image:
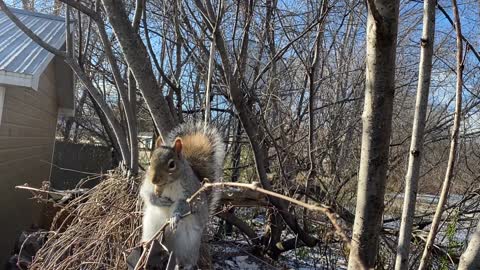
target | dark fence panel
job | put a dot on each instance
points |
(73, 162)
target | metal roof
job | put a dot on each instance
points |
(22, 60)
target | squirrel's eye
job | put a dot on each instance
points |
(171, 164)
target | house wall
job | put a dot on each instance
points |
(27, 134)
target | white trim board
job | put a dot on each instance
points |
(2, 101)
(17, 79)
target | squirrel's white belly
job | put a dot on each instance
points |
(154, 216)
(153, 219)
(185, 240)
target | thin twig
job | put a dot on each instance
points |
(32, 189)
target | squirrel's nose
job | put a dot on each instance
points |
(156, 180)
(154, 177)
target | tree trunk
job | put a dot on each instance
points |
(132, 97)
(453, 145)
(382, 26)
(132, 124)
(416, 146)
(235, 160)
(470, 259)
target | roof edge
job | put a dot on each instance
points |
(17, 79)
(36, 14)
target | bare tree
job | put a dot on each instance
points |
(416, 147)
(382, 25)
(453, 144)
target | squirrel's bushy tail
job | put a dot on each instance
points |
(204, 149)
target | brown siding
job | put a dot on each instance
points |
(27, 132)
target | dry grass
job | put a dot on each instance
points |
(96, 229)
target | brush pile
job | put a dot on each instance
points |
(95, 230)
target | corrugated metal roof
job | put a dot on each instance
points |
(18, 53)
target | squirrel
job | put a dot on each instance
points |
(178, 165)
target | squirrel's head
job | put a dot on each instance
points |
(166, 162)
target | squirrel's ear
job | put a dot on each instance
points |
(177, 145)
(158, 142)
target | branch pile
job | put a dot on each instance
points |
(96, 229)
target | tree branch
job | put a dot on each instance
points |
(463, 37)
(374, 11)
(327, 211)
(86, 10)
(139, 63)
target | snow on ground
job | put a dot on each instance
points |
(230, 256)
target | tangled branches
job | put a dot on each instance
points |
(94, 230)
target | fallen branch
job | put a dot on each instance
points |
(327, 211)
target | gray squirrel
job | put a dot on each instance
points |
(178, 165)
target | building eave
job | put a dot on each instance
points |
(18, 79)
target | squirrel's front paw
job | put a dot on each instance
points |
(173, 221)
(160, 201)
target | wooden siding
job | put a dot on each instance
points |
(27, 134)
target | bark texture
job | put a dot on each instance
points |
(470, 259)
(382, 27)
